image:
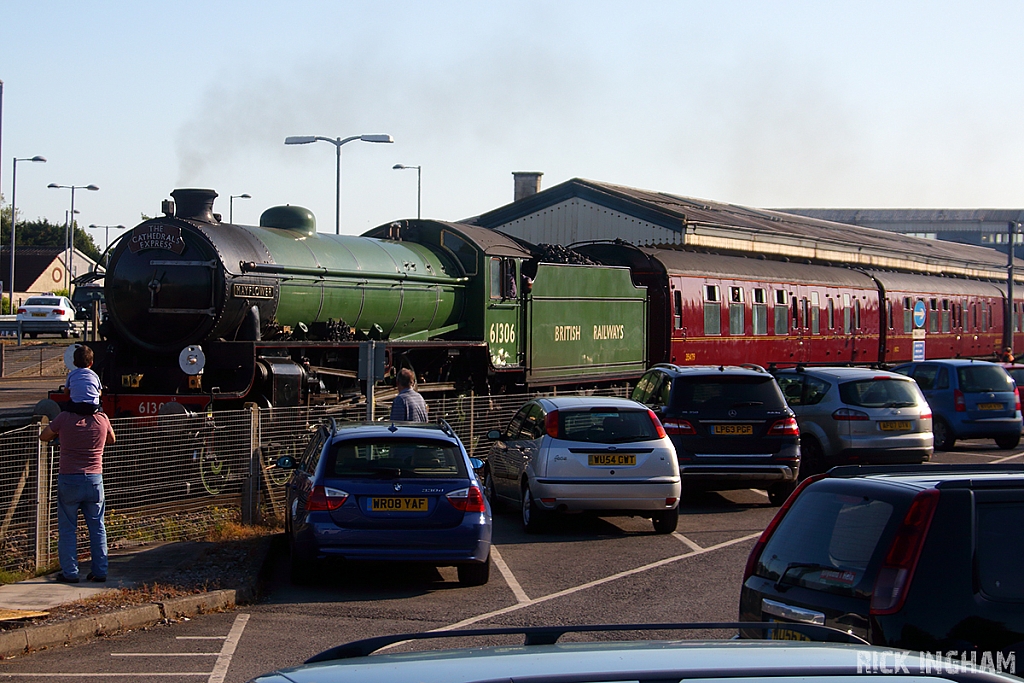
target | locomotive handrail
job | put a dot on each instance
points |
(278, 269)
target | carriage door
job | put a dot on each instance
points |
(801, 303)
(502, 323)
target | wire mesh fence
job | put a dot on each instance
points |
(32, 360)
(174, 477)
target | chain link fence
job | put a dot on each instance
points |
(32, 360)
(174, 477)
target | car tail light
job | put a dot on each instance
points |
(679, 428)
(467, 500)
(926, 416)
(670, 502)
(849, 415)
(325, 499)
(1016, 399)
(658, 427)
(22, 310)
(755, 554)
(896, 573)
(58, 311)
(959, 402)
(785, 427)
(551, 424)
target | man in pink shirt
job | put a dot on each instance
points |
(80, 487)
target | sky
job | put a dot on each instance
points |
(769, 104)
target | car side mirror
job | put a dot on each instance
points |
(285, 462)
(494, 435)
(477, 463)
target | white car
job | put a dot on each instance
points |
(606, 456)
(47, 314)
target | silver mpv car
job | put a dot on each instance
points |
(856, 416)
(609, 456)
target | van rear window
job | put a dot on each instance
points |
(725, 391)
(1000, 550)
(396, 458)
(978, 378)
(879, 393)
(829, 542)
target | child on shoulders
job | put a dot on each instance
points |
(84, 384)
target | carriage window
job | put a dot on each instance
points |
(712, 310)
(796, 311)
(984, 316)
(495, 278)
(815, 313)
(677, 303)
(908, 315)
(856, 314)
(781, 312)
(846, 314)
(974, 316)
(945, 315)
(933, 315)
(759, 309)
(736, 312)
(503, 278)
(831, 314)
(891, 305)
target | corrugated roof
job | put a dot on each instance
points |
(727, 227)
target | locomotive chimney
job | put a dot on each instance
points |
(527, 183)
(194, 204)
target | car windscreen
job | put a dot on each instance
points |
(879, 393)
(722, 392)
(829, 542)
(82, 294)
(978, 378)
(392, 457)
(606, 425)
(40, 301)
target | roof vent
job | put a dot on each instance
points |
(527, 183)
(194, 204)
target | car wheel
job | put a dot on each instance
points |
(65, 334)
(944, 437)
(812, 458)
(778, 493)
(533, 519)
(1007, 442)
(475, 574)
(665, 522)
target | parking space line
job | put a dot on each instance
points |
(759, 492)
(597, 582)
(200, 637)
(1007, 458)
(107, 674)
(688, 542)
(220, 669)
(164, 654)
(509, 577)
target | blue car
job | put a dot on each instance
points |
(970, 399)
(387, 492)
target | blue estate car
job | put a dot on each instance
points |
(387, 492)
(970, 399)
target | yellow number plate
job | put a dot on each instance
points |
(732, 430)
(990, 406)
(611, 460)
(899, 426)
(396, 504)
(38, 315)
(788, 634)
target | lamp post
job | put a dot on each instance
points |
(106, 240)
(14, 213)
(419, 183)
(69, 240)
(337, 142)
(231, 205)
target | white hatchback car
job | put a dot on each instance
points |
(608, 456)
(48, 313)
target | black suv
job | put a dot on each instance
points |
(918, 557)
(730, 426)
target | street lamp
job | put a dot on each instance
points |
(14, 212)
(69, 239)
(419, 183)
(337, 142)
(106, 240)
(231, 205)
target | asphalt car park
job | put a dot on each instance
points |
(584, 570)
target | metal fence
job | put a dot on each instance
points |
(32, 360)
(174, 477)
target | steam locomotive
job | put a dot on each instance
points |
(206, 314)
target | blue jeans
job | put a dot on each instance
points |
(81, 492)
